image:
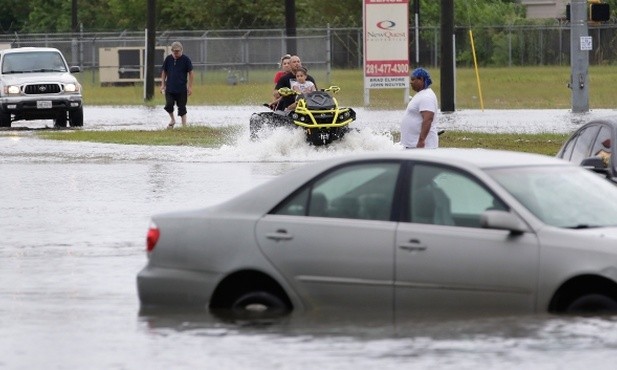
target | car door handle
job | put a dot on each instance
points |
(413, 246)
(279, 235)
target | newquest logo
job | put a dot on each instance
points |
(386, 31)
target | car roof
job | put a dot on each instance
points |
(609, 120)
(273, 191)
(26, 49)
(480, 158)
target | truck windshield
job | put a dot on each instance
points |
(44, 61)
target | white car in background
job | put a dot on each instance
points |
(444, 230)
(36, 83)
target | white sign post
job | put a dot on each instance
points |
(386, 46)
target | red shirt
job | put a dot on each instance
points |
(278, 76)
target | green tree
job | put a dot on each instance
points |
(213, 14)
(14, 15)
(128, 14)
(49, 16)
(113, 15)
(320, 13)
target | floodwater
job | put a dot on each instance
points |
(73, 220)
(515, 121)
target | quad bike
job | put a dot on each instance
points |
(317, 113)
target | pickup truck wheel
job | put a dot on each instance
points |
(77, 117)
(5, 119)
(60, 120)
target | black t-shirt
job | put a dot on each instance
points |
(177, 73)
(285, 81)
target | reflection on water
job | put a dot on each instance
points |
(372, 325)
(73, 219)
(455, 342)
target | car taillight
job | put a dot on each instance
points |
(152, 238)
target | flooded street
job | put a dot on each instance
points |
(516, 121)
(74, 218)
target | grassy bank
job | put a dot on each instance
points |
(208, 137)
(502, 88)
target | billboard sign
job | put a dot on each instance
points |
(386, 44)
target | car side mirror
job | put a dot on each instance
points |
(595, 164)
(74, 69)
(502, 220)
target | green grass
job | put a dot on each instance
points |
(547, 144)
(185, 136)
(502, 88)
(208, 137)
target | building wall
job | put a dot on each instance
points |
(545, 8)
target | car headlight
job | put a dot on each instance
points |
(12, 89)
(70, 87)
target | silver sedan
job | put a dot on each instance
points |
(445, 230)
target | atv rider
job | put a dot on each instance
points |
(301, 86)
(283, 102)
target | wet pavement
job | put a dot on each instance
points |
(73, 223)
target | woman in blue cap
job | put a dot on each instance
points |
(419, 126)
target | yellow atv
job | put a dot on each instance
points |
(317, 113)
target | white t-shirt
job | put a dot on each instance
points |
(424, 100)
(303, 88)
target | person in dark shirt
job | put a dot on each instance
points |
(286, 81)
(176, 82)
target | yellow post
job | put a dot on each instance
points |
(475, 64)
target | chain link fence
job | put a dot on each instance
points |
(236, 53)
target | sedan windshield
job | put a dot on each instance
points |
(569, 197)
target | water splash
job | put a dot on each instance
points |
(289, 144)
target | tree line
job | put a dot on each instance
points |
(50, 16)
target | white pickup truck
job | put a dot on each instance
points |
(36, 83)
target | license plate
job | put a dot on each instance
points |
(43, 104)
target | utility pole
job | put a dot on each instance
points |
(290, 26)
(580, 44)
(74, 29)
(447, 56)
(150, 42)
(416, 10)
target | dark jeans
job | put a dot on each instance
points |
(179, 99)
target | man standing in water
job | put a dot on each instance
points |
(419, 127)
(176, 82)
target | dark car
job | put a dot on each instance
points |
(592, 146)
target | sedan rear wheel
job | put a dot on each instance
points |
(592, 303)
(258, 303)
